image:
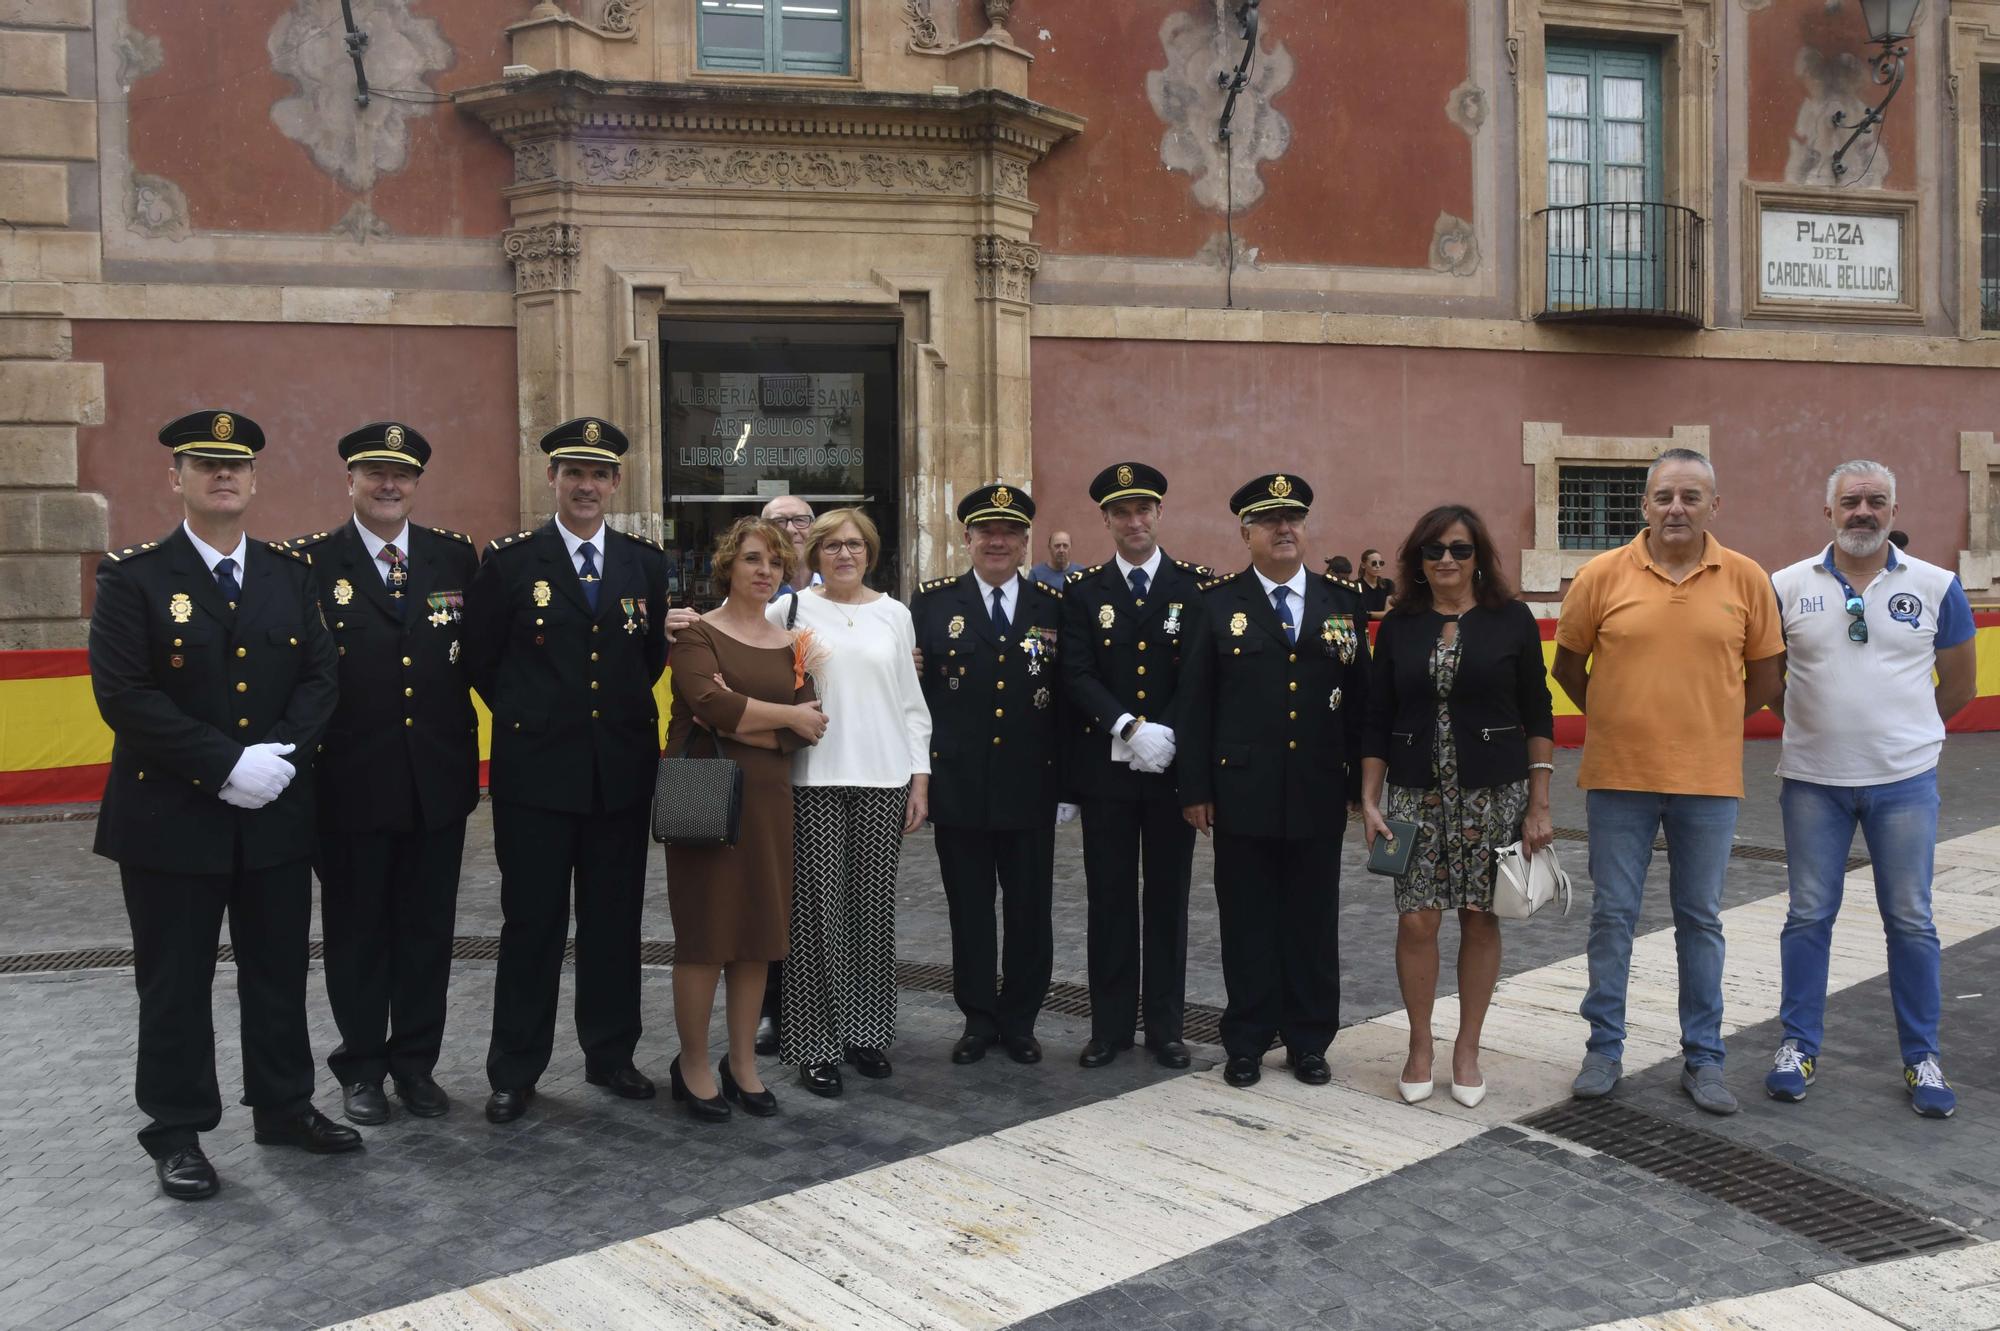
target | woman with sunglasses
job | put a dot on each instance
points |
(1460, 731)
(1377, 592)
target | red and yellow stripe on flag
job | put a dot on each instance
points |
(56, 749)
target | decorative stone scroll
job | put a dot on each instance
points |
(923, 27)
(1005, 267)
(546, 257)
(1010, 177)
(784, 169)
(533, 162)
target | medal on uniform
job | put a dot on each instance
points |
(629, 605)
(953, 683)
(1333, 701)
(1039, 643)
(180, 607)
(1239, 623)
(452, 655)
(343, 592)
(1340, 638)
(956, 627)
(1171, 625)
(542, 594)
(1106, 616)
(1041, 700)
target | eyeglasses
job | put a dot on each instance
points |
(795, 520)
(857, 546)
(1377, 563)
(1436, 550)
(1858, 630)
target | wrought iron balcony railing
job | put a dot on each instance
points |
(1622, 263)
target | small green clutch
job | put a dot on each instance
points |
(1390, 855)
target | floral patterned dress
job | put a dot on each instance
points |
(1459, 831)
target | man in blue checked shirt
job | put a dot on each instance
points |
(1863, 622)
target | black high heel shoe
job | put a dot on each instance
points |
(757, 1104)
(712, 1110)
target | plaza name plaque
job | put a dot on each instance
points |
(1834, 258)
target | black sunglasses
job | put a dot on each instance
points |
(1858, 630)
(1435, 550)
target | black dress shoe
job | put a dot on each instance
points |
(767, 1036)
(1311, 1069)
(186, 1175)
(1170, 1054)
(627, 1081)
(822, 1079)
(1242, 1071)
(308, 1129)
(1096, 1054)
(715, 1109)
(869, 1062)
(506, 1106)
(422, 1096)
(971, 1048)
(363, 1102)
(757, 1104)
(1023, 1048)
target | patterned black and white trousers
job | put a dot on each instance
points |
(840, 980)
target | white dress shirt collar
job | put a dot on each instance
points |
(1009, 592)
(573, 542)
(1297, 585)
(1152, 567)
(212, 556)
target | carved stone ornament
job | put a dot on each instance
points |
(356, 145)
(139, 54)
(1186, 96)
(997, 14)
(786, 169)
(156, 206)
(546, 257)
(533, 162)
(1010, 177)
(1005, 267)
(1454, 246)
(923, 28)
(619, 14)
(1467, 107)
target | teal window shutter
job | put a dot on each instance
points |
(1605, 149)
(775, 36)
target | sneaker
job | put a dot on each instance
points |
(1930, 1094)
(1704, 1086)
(1791, 1072)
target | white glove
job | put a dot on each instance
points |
(1153, 747)
(1065, 812)
(259, 776)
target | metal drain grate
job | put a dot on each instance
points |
(1761, 854)
(1847, 1220)
(1201, 1022)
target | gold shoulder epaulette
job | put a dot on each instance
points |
(304, 542)
(1217, 582)
(1199, 570)
(1081, 574)
(637, 539)
(1347, 583)
(289, 548)
(452, 535)
(131, 551)
(936, 583)
(502, 542)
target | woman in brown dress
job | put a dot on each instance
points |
(735, 675)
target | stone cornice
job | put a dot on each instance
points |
(565, 103)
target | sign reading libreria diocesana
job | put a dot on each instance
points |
(1831, 257)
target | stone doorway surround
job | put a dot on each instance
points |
(645, 187)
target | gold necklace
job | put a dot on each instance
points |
(837, 606)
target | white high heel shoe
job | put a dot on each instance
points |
(1469, 1096)
(1414, 1092)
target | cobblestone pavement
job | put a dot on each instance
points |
(432, 1208)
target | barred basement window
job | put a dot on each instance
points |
(1989, 199)
(775, 36)
(1597, 508)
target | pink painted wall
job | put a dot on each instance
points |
(1382, 433)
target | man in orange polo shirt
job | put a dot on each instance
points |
(1665, 645)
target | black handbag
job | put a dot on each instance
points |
(698, 801)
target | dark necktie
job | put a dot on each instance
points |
(1137, 577)
(999, 614)
(1282, 598)
(589, 573)
(399, 575)
(225, 579)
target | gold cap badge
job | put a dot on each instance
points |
(591, 432)
(394, 438)
(224, 427)
(1003, 498)
(1124, 474)
(1280, 488)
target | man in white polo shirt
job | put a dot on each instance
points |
(1864, 629)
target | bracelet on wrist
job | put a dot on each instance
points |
(1542, 767)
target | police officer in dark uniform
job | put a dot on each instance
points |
(216, 677)
(1269, 757)
(991, 643)
(1123, 622)
(565, 635)
(397, 773)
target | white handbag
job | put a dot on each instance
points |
(1523, 884)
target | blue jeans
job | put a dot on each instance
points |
(1699, 829)
(1899, 822)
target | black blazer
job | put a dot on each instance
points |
(1270, 730)
(996, 706)
(571, 690)
(1121, 656)
(1499, 700)
(186, 683)
(402, 753)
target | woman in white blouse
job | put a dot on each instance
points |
(854, 796)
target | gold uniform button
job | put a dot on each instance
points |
(142, 776)
(1225, 762)
(593, 713)
(593, 683)
(409, 720)
(177, 642)
(242, 687)
(595, 627)
(409, 693)
(1293, 686)
(1142, 695)
(1003, 656)
(338, 623)
(538, 621)
(295, 642)
(1000, 684)
(1291, 744)
(197, 783)
(1236, 651)
(996, 739)
(1293, 657)
(517, 725)
(1142, 670)
(406, 660)
(242, 651)
(593, 656)
(242, 723)
(343, 651)
(1107, 642)
(1291, 716)
(999, 712)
